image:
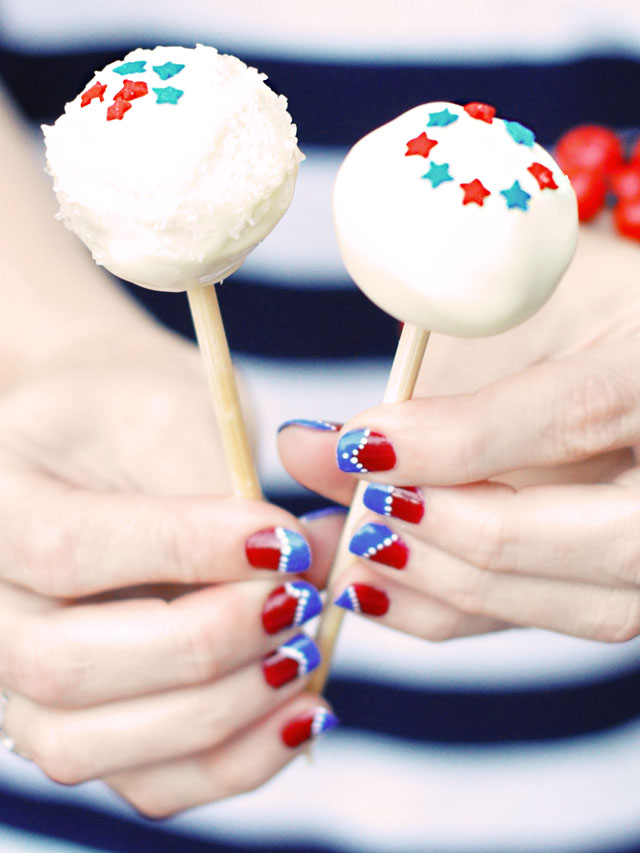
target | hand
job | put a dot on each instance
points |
(131, 632)
(528, 472)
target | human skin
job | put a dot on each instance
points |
(525, 449)
(131, 639)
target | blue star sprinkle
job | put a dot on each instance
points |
(169, 69)
(131, 68)
(516, 196)
(519, 133)
(441, 119)
(168, 95)
(438, 173)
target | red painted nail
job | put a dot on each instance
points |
(290, 604)
(362, 598)
(379, 543)
(278, 549)
(404, 503)
(362, 450)
(307, 726)
(297, 656)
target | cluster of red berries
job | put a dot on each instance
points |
(593, 157)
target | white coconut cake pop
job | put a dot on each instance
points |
(172, 164)
(454, 220)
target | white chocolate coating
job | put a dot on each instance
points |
(426, 258)
(180, 189)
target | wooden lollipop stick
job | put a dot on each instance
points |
(400, 385)
(212, 340)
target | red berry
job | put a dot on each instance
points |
(590, 189)
(635, 154)
(625, 183)
(626, 216)
(590, 147)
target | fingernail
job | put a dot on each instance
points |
(278, 549)
(289, 605)
(362, 598)
(308, 726)
(379, 543)
(405, 503)
(323, 512)
(325, 426)
(294, 658)
(361, 450)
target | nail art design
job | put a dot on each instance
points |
(362, 598)
(405, 503)
(307, 726)
(294, 658)
(325, 426)
(290, 604)
(362, 450)
(278, 549)
(323, 512)
(379, 543)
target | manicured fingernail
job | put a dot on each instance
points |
(324, 426)
(361, 450)
(379, 543)
(405, 503)
(289, 605)
(278, 549)
(323, 512)
(294, 658)
(362, 598)
(308, 726)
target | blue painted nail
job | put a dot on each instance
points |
(362, 450)
(406, 503)
(297, 657)
(323, 512)
(324, 426)
(379, 543)
(279, 549)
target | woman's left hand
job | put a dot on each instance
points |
(527, 509)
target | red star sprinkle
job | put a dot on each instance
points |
(474, 192)
(484, 112)
(421, 145)
(543, 176)
(96, 91)
(132, 89)
(118, 109)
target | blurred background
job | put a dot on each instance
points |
(522, 741)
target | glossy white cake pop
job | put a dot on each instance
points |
(173, 164)
(454, 220)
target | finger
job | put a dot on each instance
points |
(90, 654)
(72, 746)
(69, 543)
(553, 413)
(570, 607)
(368, 593)
(308, 452)
(582, 533)
(237, 766)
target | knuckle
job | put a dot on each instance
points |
(591, 413)
(49, 558)
(56, 754)
(493, 548)
(148, 802)
(618, 620)
(42, 668)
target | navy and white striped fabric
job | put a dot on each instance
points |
(522, 741)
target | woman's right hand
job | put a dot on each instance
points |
(133, 632)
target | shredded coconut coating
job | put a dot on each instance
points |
(176, 192)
